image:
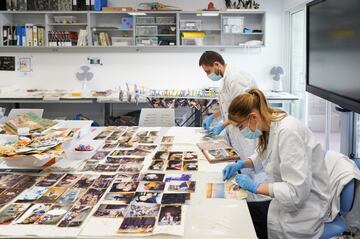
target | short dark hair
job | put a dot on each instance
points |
(209, 57)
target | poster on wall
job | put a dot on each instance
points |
(24, 66)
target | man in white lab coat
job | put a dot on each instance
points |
(234, 82)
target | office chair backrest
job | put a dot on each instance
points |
(150, 117)
(347, 197)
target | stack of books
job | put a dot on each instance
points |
(24, 35)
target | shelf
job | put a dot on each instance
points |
(68, 24)
(156, 24)
(96, 29)
(255, 33)
(158, 35)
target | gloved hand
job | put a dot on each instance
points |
(245, 182)
(207, 122)
(232, 169)
(216, 130)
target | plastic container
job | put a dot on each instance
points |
(165, 20)
(146, 30)
(121, 41)
(146, 41)
(190, 25)
(65, 19)
(192, 41)
(145, 20)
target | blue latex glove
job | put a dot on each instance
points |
(245, 182)
(216, 130)
(207, 122)
(232, 169)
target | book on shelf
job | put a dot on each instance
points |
(102, 39)
(82, 39)
(29, 34)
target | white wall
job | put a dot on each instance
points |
(159, 70)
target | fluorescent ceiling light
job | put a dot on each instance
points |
(137, 13)
(210, 14)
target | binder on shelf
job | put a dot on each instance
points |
(99, 4)
(35, 36)
(92, 7)
(74, 5)
(6, 32)
(18, 36)
(31, 5)
(88, 5)
(2, 5)
(22, 5)
(13, 36)
(41, 36)
(65, 5)
(53, 5)
(29, 34)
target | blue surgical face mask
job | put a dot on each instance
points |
(249, 134)
(214, 77)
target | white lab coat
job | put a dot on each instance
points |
(295, 165)
(341, 171)
(234, 83)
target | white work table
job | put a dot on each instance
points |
(204, 218)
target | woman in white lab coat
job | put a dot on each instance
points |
(294, 163)
(233, 82)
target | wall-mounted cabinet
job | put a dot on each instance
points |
(131, 30)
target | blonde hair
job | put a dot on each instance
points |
(251, 100)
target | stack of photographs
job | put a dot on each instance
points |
(176, 161)
(218, 151)
(227, 190)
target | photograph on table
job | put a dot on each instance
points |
(142, 133)
(49, 180)
(152, 177)
(175, 155)
(177, 177)
(136, 209)
(167, 139)
(131, 165)
(147, 197)
(215, 190)
(186, 186)
(89, 166)
(76, 216)
(34, 213)
(31, 194)
(120, 198)
(126, 145)
(126, 177)
(103, 135)
(103, 181)
(54, 215)
(100, 155)
(106, 167)
(12, 211)
(190, 156)
(145, 140)
(146, 148)
(161, 155)
(175, 198)
(71, 196)
(129, 153)
(110, 211)
(221, 155)
(51, 195)
(110, 147)
(113, 160)
(174, 165)
(151, 186)
(85, 181)
(157, 165)
(68, 180)
(124, 187)
(153, 133)
(137, 225)
(190, 165)
(9, 194)
(165, 147)
(11, 181)
(170, 215)
(91, 196)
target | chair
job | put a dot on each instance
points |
(338, 226)
(17, 112)
(150, 117)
